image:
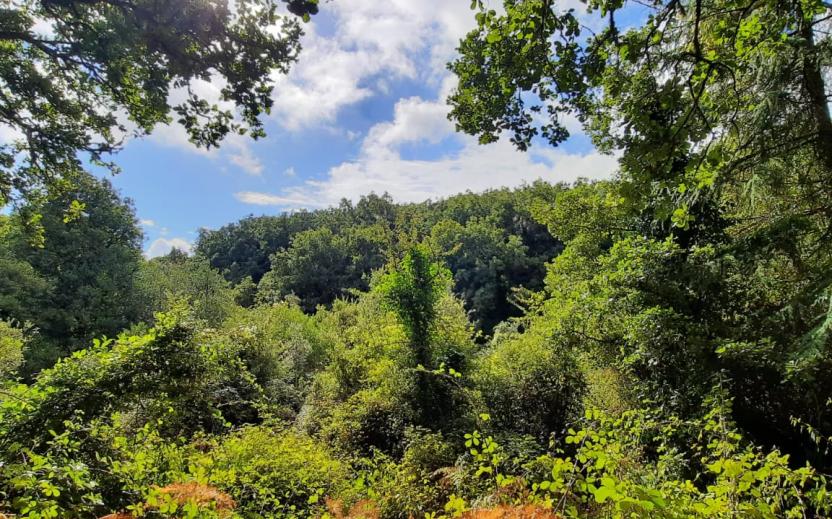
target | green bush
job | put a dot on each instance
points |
(274, 473)
(282, 348)
(11, 350)
(390, 366)
(529, 385)
(640, 465)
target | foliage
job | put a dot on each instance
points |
(162, 282)
(12, 342)
(273, 473)
(376, 385)
(716, 227)
(320, 266)
(170, 366)
(325, 254)
(486, 265)
(638, 465)
(402, 488)
(65, 85)
(72, 276)
(529, 385)
(22, 289)
(656, 345)
(411, 290)
(282, 348)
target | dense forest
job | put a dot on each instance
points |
(658, 344)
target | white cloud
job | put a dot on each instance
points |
(368, 47)
(380, 166)
(243, 156)
(414, 120)
(235, 149)
(297, 197)
(378, 41)
(475, 168)
(373, 43)
(174, 136)
(147, 223)
(9, 135)
(290, 172)
(43, 27)
(163, 246)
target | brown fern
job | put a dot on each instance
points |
(511, 512)
(364, 509)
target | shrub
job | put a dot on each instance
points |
(529, 385)
(411, 487)
(282, 348)
(637, 465)
(273, 473)
(11, 350)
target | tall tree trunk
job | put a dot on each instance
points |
(819, 105)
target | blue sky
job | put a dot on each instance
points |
(362, 111)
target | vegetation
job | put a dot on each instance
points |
(653, 345)
(63, 86)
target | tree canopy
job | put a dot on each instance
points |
(79, 77)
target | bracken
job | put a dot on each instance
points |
(511, 512)
(200, 494)
(364, 509)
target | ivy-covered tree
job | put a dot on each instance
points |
(412, 290)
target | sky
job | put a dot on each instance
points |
(362, 111)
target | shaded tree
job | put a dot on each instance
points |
(86, 246)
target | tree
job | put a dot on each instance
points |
(716, 107)
(486, 265)
(321, 266)
(705, 91)
(412, 290)
(716, 234)
(23, 290)
(11, 351)
(87, 255)
(243, 249)
(63, 87)
(163, 282)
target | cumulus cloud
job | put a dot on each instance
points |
(372, 44)
(475, 168)
(414, 120)
(291, 198)
(380, 166)
(163, 246)
(147, 223)
(9, 135)
(236, 150)
(242, 156)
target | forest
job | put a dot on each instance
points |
(656, 344)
